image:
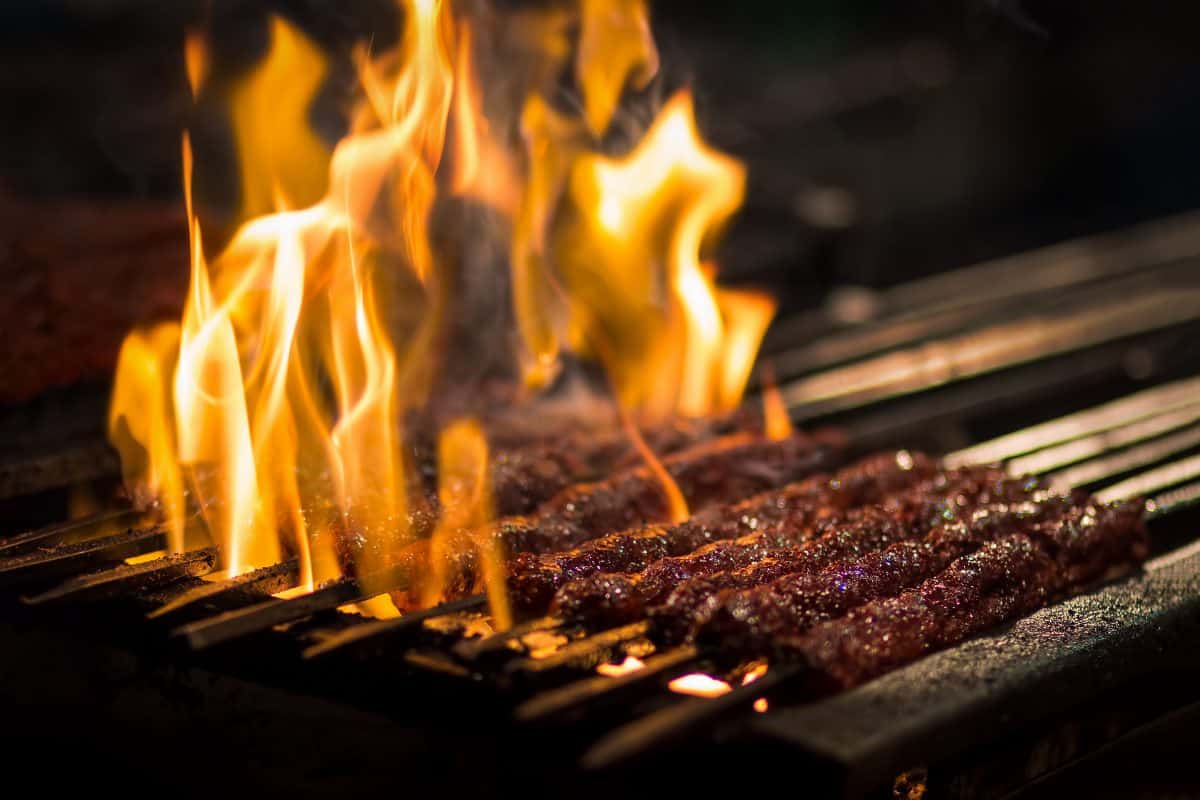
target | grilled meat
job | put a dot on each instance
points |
(738, 465)
(1006, 578)
(719, 471)
(690, 604)
(525, 477)
(749, 620)
(534, 578)
(611, 599)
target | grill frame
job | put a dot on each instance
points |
(1001, 699)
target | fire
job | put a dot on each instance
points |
(465, 497)
(642, 300)
(280, 153)
(615, 47)
(196, 60)
(777, 422)
(273, 411)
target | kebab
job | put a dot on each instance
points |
(748, 620)
(732, 466)
(1006, 578)
(616, 598)
(534, 578)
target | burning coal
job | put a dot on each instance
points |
(275, 419)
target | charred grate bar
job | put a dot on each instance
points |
(540, 680)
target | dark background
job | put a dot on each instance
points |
(885, 139)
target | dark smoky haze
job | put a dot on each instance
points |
(884, 140)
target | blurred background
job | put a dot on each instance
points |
(885, 140)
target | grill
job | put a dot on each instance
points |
(1076, 363)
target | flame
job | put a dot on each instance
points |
(283, 407)
(483, 169)
(141, 423)
(465, 498)
(641, 298)
(677, 507)
(279, 151)
(777, 422)
(615, 48)
(271, 411)
(196, 59)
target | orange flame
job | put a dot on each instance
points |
(677, 507)
(640, 296)
(279, 151)
(285, 394)
(465, 497)
(141, 423)
(615, 47)
(196, 60)
(777, 422)
(273, 408)
(698, 684)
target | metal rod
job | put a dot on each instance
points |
(1107, 441)
(126, 578)
(681, 718)
(1164, 477)
(269, 613)
(258, 584)
(41, 536)
(1045, 271)
(72, 559)
(1092, 472)
(472, 649)
(366, 631)
(583, 649)
(990, 349)
(1095, 420)
(1174, 500)
(976, 311)
(601, 687)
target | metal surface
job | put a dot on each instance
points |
(972, 695)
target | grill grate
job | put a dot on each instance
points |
(936, 384)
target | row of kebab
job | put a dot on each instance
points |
(790, 552)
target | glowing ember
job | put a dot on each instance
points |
(698, 684)
(272, 411)
(630, 664)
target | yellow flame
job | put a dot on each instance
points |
(273, 407)
(483, 169)
(141, 423)
(630, 254)
(615, 47)
(551, 144)
(278, 149)
(465, 498)
(284, 397)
